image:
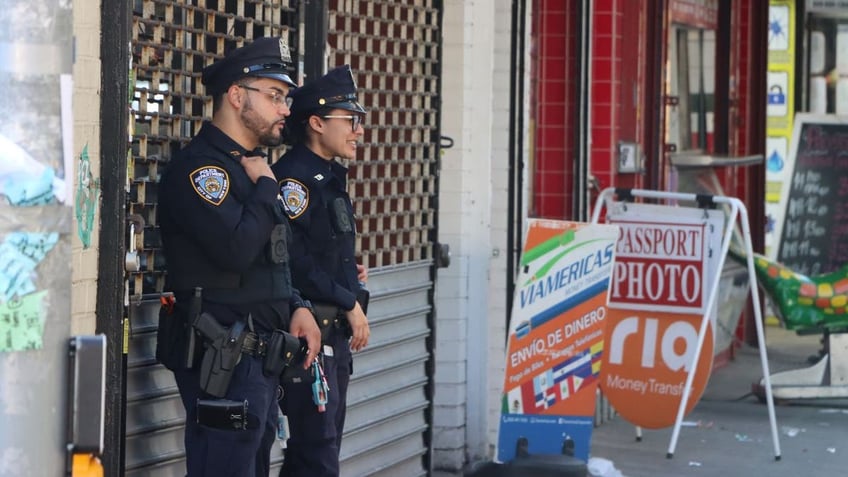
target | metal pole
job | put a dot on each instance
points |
(515, 192)
(115, 18)
(315, 34)
(36, 177)
(582, 116)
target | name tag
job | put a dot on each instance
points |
(328, 351)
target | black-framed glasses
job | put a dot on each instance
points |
(277, 97)
(355, 119)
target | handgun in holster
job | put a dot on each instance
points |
(223, 352)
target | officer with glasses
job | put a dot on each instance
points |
(224, 235)
(325, 125)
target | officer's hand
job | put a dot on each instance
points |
(303, 325)
(362, 273)
(359, 326)
(256, 167)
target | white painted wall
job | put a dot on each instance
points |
(470, 294)
(496, 325)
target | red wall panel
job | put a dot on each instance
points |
(608, 50)
(623, 97)
(628, 41)
(552, 104)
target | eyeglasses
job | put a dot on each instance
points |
(277, 97)
(355, 119)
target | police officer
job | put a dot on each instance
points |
(326, 124)
(224, 235)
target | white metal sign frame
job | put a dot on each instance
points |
(737, 210)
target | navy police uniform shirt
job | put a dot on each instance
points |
(216, 226)
(315, 199)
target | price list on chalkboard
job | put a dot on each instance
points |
(814, 237)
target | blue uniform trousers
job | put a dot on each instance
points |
(231, 453)
(313, 448)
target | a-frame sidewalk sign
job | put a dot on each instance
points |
(733, 209)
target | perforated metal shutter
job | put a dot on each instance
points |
(393, 48)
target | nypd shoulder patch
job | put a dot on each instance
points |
(211, 183)
(295, 197)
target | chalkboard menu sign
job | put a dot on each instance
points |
(814, 237)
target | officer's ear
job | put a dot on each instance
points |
(234, 95)
(316, 123)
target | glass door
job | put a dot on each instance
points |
(690, 90)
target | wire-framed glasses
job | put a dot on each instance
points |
(277, 97)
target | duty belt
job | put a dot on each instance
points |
(330, 318)
(326, 314)
(254, 345)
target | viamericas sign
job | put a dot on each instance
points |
(556, 339)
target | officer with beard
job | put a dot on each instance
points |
(225, 237)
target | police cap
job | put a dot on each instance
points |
(265, 57)
(334, 90)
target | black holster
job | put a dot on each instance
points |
(336, 317)
(328, 318)
(223, 352)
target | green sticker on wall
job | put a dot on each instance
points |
(85, 205)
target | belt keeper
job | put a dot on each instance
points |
(254, 345)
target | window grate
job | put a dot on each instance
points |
(172, 40)
(393, 49)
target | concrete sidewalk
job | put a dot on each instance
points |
(728, 433)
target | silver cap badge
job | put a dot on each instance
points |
(285, 54)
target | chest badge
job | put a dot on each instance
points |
(295, 197)
(211, 183)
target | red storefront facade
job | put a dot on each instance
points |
(661, 78)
